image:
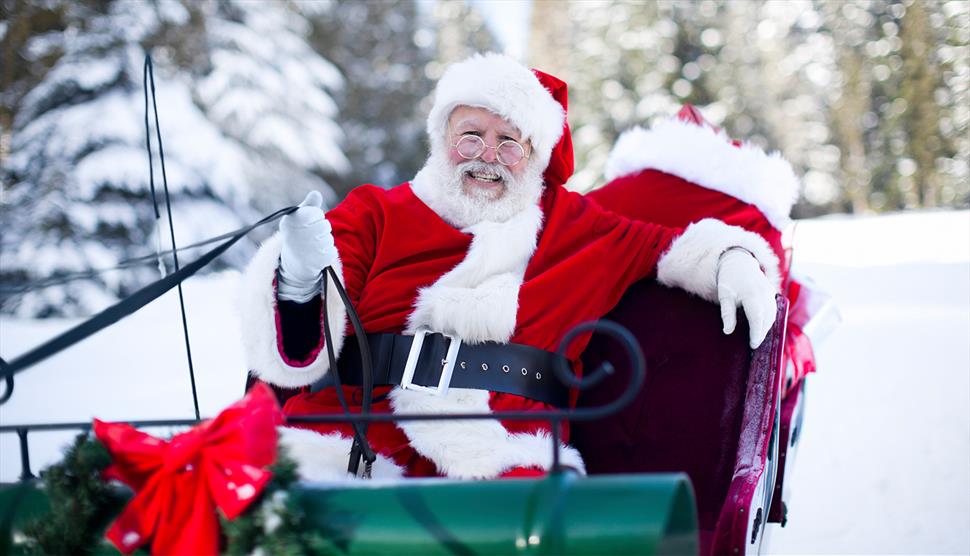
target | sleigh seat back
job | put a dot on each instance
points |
(709, 407)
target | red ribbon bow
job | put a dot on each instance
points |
(180, 483)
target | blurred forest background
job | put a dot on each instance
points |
(260, 101)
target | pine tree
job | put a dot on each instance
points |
(270, 93)
(851, 105)
(19, 20)
(629, 63)
(461, 32)
(617, 65)
(953, 56)
(921, 121)
(244, 115)
(78, 194)
(382, 51)
(871, 115)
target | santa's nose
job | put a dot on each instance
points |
(488, 156)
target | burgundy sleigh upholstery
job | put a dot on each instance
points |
(703, 394)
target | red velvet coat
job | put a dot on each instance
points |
(391, 244)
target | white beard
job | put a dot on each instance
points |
(439, 185)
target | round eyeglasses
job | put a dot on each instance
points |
(509, 152)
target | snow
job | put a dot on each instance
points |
(884, 462)
(133, 370)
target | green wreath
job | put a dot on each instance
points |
(82, 506)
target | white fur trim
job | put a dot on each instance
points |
(324, 457)
(504, 86)
(478, 300)
(473, 449)
(258, 322)
(691, 261)
(705, 157)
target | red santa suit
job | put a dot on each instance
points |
(527, 280)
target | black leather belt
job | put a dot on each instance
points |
(511, 368)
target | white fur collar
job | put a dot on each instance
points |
(478, 300)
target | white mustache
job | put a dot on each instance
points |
(483, 167)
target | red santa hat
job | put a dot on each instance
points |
(532, 101)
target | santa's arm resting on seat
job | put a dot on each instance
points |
(727, 265)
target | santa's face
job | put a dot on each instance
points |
(485, 177)
(466, 191)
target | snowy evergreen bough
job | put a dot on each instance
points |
(245, 117)
(268, 91)
(382, 49)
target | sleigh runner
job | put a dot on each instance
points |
(694, 464)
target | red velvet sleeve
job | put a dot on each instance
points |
(632, 249)
(358, 223)
(586, 259)
(637, 245)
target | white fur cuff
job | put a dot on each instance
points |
(261, 342)
(691, 261)
(324, 457)
(480, 449)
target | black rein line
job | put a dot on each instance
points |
(129, 304)
(149, 76)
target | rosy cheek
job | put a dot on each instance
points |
(454, 157)
(518, 168)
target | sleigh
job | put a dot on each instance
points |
(695, 460)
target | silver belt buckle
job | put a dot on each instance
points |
(447, 365)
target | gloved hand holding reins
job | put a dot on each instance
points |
(307, 249)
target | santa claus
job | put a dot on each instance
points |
(465, 279)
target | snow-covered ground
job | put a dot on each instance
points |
(884, 463)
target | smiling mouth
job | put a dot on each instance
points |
(484, 176)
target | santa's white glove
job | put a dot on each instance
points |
(741, 282)
(307, 249)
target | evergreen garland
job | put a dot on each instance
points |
(82, 505)
(273, 525)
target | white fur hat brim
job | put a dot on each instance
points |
(502, 85)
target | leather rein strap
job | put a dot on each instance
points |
(510, 368)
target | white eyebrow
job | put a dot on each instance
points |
(467, 122)
(507, 129)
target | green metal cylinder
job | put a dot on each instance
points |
(561, 514)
